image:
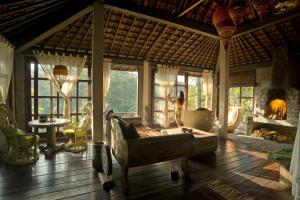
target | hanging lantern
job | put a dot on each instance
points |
(60, 72)
(262, 7)
(237, 10)
(223, 24)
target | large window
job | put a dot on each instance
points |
(45, 102)
(123, 93)
(192, 88)
(242, 97)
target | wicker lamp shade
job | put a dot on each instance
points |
(60, 72)
(262, 7)
(223, 24)
(236, 10)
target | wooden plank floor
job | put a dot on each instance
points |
(71, 176)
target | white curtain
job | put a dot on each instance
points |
(6, 67)
(166, 76)
(208, 88)
(106, 80)
(74, 65)
(295, 164)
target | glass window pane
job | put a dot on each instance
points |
(32, 69)
(247, 91)
(81, 103)
(234, 92)
(61, 105)
(83, 88)
(54, 104)
(180, 88)
(246, 114)
(247, 104)
(74, 92)
(122, 95)
(194, 94)
(32, 105)
(158, 117)
(180, 80)
(84, 74)
(234, 102)
(73, 105)
(158, 104)
(32, 87)
(41, 73)
(44, 88)
(44, 106)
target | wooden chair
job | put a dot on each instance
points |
(17, 148)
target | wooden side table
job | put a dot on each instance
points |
(51, 133)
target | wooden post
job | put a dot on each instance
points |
(223, 97)
(20, 88)
(146, 92)
(97, 70)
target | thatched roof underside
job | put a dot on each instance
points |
(142, 37)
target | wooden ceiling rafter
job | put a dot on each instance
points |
(197, 45)
(164, 43)
(207, 54)
(285, 37)
(166, 53)
(181, 46)
(137, 38)
(108, 18)
(81, 28)
(85, 35)
(120, 22)
(250, 51)
(242, 50)
(149, 36)
(157, 39)
(129, 30)
(200, 49)
(18, 22)
(261, 45)
(249, 44)
(202, 57)
(190, 8)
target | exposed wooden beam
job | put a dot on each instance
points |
(251, 66)
(107, 21)
(173, 45)
(202, 46)
(150, 34)
(268, 21)
(120, 22)
(81, 28)
(190, 8)
(65, 35)
(182, 46)
(240, 49)
(166, 40)
(206, 51)
(281, 29)
(261, 45)
(209, 53)
(192, 50)
(137, 38)
(249, 44)
(85, 35)
(268, 36)
(162, 17)
(127, 33)
(54, 29)
(157, 39)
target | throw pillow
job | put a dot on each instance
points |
(128, 130)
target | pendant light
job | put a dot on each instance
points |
(237, 10)
(262, 7)
(60, 72)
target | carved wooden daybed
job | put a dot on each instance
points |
(144, 149)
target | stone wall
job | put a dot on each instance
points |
(263, 85)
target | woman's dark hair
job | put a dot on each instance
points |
(181, 97)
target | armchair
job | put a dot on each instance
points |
(17, 148)
(78, 131)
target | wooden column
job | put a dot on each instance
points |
(223, 96)
(146, 93)
(97, 70)
(20, 88)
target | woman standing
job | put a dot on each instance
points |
(178, 107)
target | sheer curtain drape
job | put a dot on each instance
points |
(295, 164)
(6, 67)
(106, 80)
(208, 88)
(166, 76)
(74, 65)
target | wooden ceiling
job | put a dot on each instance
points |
(143, 35)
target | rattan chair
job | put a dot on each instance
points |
(17, 147)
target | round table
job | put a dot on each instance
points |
(51, 133)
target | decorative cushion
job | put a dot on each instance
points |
(128, 130)
(108, 114)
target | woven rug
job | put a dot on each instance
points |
(215, 190)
